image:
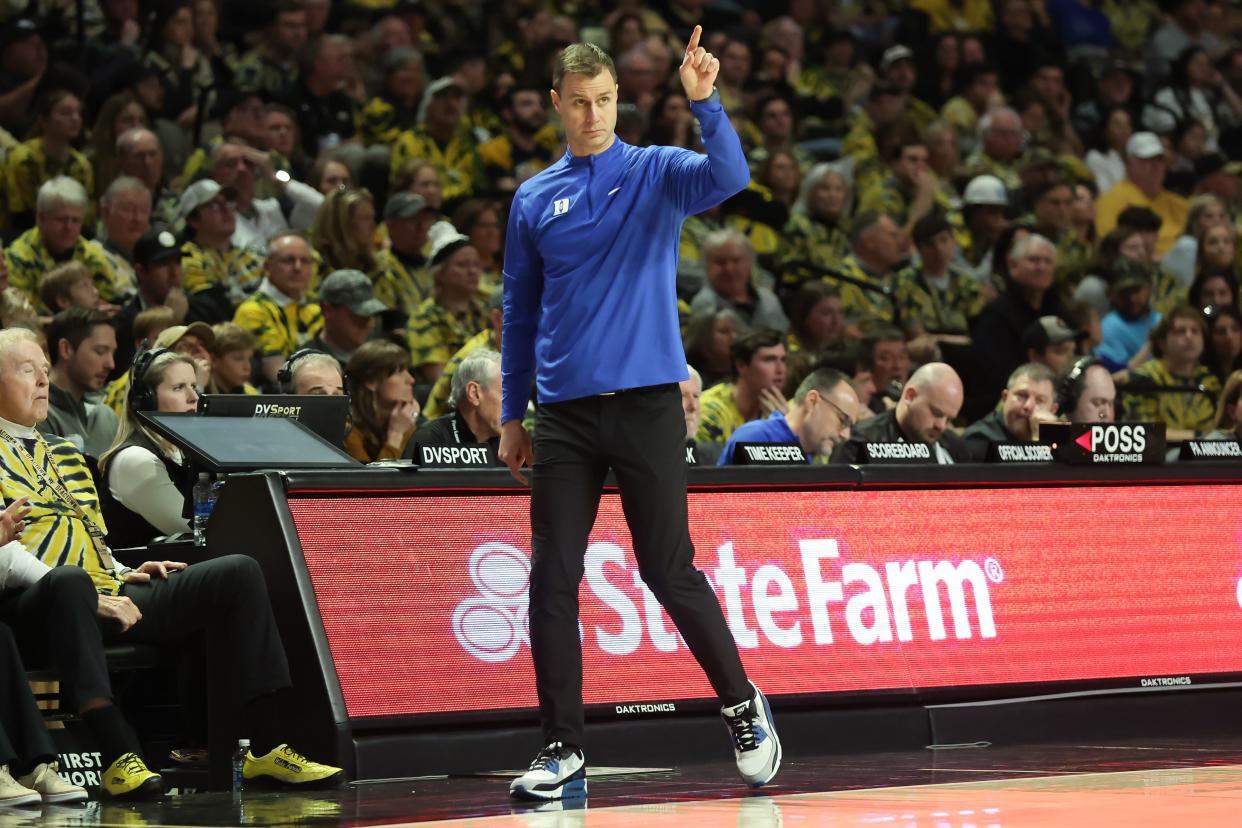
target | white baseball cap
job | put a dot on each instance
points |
(198, 194)
(986, 189)
(1144, 145)
(444, 239)
(893, 54)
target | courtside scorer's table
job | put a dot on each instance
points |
(873, 595)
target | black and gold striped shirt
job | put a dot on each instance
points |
(55, 532)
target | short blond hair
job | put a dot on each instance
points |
(231, 338)
(57, 282)
(149, 323)
(582, 59)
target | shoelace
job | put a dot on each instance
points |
(130, 763)
(742, 728)
(546, 757)
(294, 755)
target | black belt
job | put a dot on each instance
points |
(638, 388)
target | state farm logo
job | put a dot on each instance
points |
(763, 607)
(492, 626)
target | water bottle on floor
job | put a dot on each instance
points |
(204, 501)
(239, 760)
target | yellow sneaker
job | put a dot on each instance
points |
(130, 778)
(286, 767)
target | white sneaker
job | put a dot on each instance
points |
(12, 793)
(756, 746)
(558, 772)
(53, 787)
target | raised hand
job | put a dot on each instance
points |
(698, 69)
(402, 418)
(771, 399)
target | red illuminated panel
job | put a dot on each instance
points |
(423, 598)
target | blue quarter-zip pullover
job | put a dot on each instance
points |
(590, 268)
(775, 429)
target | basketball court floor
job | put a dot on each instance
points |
(1136, 783)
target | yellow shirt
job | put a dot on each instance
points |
(398, 286)
(882, 194)
(54, 531)
(436, 333)
(1191, 411)
(980, 163)
(813, 238)
(947, 16)
(865, 308)
(1132, 22)
(1074, 258)
(809, 240)
(925, 308)
(458, 160)
(860, 140)
(29, 260)
(27, 167)
(502, 159)
(1166, 291)
(238, 269)
(695, 230)
(719, 416)
(437, 402)
(958, 112)
(1171, 208)
(257, 70)
(116, 392)
(279, 331)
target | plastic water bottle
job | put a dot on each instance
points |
(239, 759)
(204, 502)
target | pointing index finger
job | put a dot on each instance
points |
(694, 39)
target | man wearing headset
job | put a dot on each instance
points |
(89, 597)
(312, 372)
(1087, 393)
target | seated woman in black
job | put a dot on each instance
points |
(146, 481)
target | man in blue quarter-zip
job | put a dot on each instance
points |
(590, 320)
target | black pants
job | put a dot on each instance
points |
(641, 436)
(23, 735)
(225, 597)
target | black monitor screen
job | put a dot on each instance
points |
(324, 415)
(236, 444)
